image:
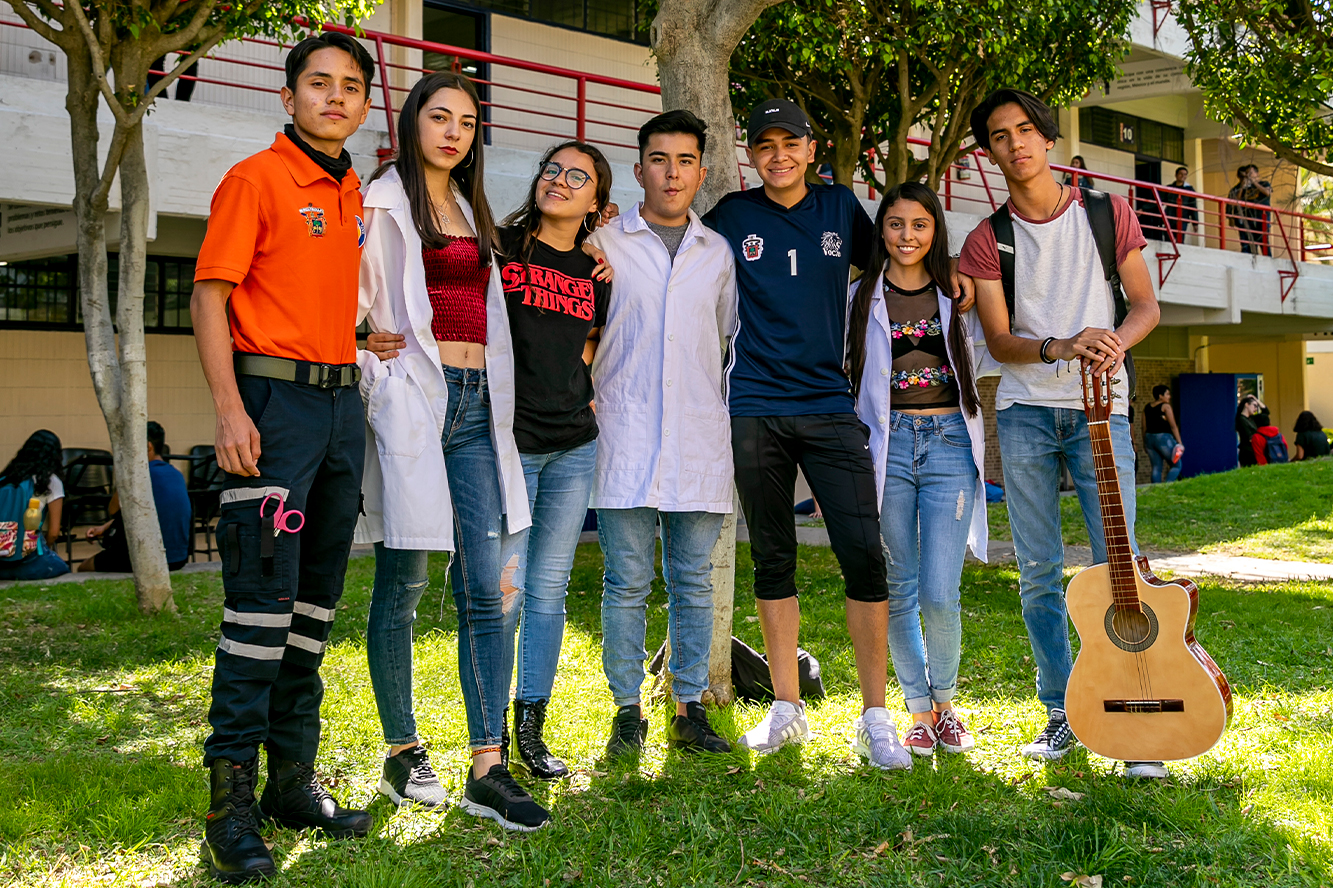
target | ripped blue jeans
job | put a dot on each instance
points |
(474, 575)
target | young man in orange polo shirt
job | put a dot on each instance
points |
(274, 311)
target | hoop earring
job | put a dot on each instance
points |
(471, 157)
(589, 228)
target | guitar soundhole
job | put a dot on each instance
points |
(1131, 630)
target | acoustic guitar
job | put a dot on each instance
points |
(1142, 688)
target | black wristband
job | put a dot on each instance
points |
(1047, 342)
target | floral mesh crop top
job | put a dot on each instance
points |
(921, 377)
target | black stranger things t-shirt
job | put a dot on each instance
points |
(552, 309)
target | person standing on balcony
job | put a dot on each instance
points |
(1078, 163)
(1250, 222)
(664, 453)
(1181, 211)
(1063, 312)
(274, 308)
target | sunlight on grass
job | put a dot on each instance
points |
(101, 728)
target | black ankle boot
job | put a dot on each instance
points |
(536, 759)
(293, 797)
(232, 849)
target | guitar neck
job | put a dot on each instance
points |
(1119, 555)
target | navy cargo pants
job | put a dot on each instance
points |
(281, 592)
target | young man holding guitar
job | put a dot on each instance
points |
(1062, 313)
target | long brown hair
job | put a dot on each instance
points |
(937, 265)
(411, 166)
(528, 218)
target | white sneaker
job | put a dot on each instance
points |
(785, 723)
(1145, 770)
(877, 741)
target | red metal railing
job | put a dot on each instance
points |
(530, 101)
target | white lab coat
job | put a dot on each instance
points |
(664, 437)
(872, 405)
(406, 489)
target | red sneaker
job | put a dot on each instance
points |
(920, 739)
(953, 734)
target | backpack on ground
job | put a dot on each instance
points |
(1101, 218)
(13, 503)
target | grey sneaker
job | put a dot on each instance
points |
(1145, 770)
(877, 741)
(785, 723)
(1054, 740)
(408, 779)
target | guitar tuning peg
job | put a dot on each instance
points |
(1114, 381)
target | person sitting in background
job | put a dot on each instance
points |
(1267, 442)
(172, 502)
(1083, 181)
(1161, 435)
(37, 466)
(1310, 441)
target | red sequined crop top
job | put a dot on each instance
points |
(457, 283)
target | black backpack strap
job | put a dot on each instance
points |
(1101, 216)
(1002, 226)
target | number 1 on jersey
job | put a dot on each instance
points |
(791, 254)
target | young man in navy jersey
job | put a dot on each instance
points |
(791, 406)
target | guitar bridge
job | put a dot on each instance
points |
(1169, 705)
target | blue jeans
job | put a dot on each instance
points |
(629, 547)
(559, 487)
(474, 575)
(1160, 446)
(34, 567)
(1033, 441)
(930, 487)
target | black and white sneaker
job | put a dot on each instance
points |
(1053, 742)
(500, 798)
(408, 779)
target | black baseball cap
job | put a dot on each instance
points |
(779, 113)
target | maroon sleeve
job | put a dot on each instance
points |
(980, 257)
(1128, 233)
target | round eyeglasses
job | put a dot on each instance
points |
(574, 178)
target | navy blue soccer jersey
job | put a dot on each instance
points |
(792, 270)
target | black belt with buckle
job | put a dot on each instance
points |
(323, 376)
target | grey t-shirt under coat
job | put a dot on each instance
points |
(671, 235)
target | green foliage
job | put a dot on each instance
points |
(1267, 65)
(869, 72)
(102, 715)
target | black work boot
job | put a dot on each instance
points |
(293, 797)
(533, 756)
(232, 849)
(692, 732)
(628, 732)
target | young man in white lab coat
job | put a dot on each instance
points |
(664, 453)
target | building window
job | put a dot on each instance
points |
(1125, 132)
(620, 19)
(44, 293)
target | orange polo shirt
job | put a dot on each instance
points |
(289, 236)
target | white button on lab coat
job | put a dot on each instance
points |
(406, 488)
(664, 430)
(872, 405)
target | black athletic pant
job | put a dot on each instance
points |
(281, 592)
(833, 451)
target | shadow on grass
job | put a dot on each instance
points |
(101, 719)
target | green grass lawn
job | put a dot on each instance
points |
(1280, 511)
(102, 721)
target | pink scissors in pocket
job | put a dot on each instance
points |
(280, 522)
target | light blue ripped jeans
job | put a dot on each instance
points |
(930, 488)
(474, 575)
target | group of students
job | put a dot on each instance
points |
(646, 362)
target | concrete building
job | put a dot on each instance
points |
(550, 71)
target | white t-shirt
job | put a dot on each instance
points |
(1059, 289)
(55, 491)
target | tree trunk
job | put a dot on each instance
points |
(719, 690)
(847, 149)
(119, 379)
(693, 41)
(128, 424)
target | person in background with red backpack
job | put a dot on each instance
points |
(33, 473)
(1268, 444)
(1059, 245)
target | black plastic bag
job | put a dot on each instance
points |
(749, 673)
